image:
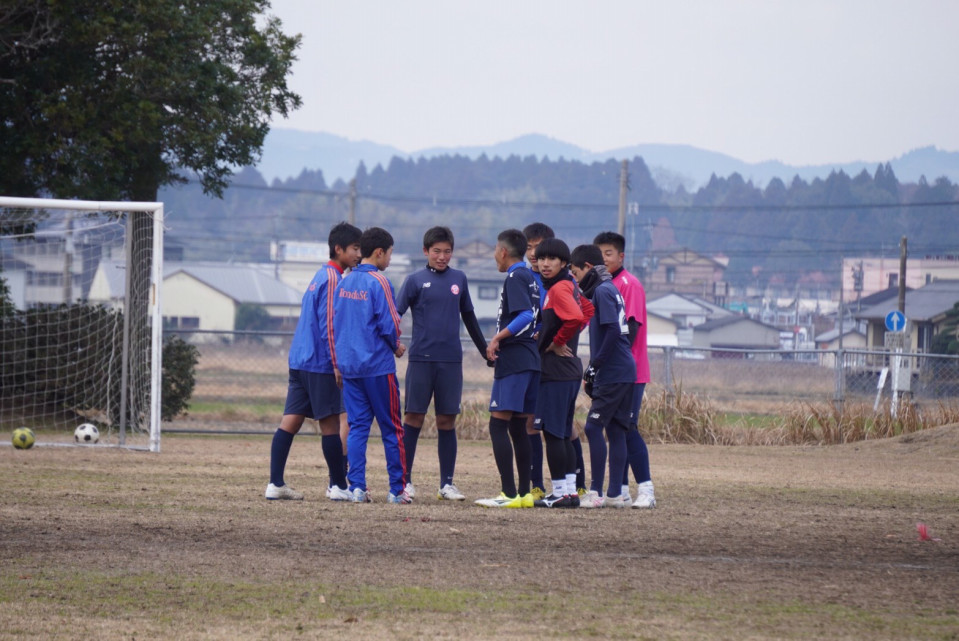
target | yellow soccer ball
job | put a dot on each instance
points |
(23, 438)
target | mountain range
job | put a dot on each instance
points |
(287, 152)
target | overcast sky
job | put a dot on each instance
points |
(803, 82)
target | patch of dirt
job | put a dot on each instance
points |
(747, 542)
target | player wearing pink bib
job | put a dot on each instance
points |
(613, 247)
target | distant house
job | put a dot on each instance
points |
(735, 332)
(853, 337)
(685, 310)
(205, 295)
(925, 312)
(883, 273)
(683, 271)
(661, 331)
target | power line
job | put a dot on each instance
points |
(658, 207)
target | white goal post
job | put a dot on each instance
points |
(81, 326)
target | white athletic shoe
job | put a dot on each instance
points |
(627, 499)
(449, 493)
(360, 496)
(614, 502)
(335, 493)
(591, 500)
(282, 493)
(410, 490)
(403, 498)
(646, 498)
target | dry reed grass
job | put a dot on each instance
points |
(691, 418)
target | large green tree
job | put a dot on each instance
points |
(112, 99)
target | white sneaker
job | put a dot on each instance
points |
(627, 499)
(335, 493)
(614, 501)
(591, 500)
(282, 493)
(360, 496)
(402, 498)
(645, 498)
(410, 490)
(449, 493)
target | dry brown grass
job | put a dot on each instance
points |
(693, 418)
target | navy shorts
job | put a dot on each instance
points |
(556, 406)
(515, 393)
(612, 405)
(443, 382)
(638, 390)
(313, 395)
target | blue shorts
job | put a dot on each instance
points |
(313, 395)
(638, 390)
(515, 393)
(443, 382)
(556, 406)
(612, 405)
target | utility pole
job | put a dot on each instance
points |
(842, 309)
(902, 275)
(623, 188)
(353, 201)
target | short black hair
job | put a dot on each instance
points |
(375, 238)
(553, 248)
(437, 234)
(586, 254)
(343, 235)
(514, 241)
(542, 231)
(611, 238)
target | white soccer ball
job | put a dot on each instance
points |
(86, 433)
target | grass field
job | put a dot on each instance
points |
(747, 542)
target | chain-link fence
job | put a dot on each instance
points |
(241, 378)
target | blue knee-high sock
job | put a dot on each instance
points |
(597, 455)
(333, 453)
(446, 449)
(638, 456)
(617, 458)
(503, 454)
(580, 463)
(411, 435)
(536, 460)
(279, 452)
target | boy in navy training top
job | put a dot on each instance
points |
(613, 247)
(516, 373)
(609, 378)
(367, 330)
(314, 387)
(535, 234)
(565, 314)
(438, 296)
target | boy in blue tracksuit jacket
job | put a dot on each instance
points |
(314, 382)
(366, 330)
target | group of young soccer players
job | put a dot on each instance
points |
(342, 363)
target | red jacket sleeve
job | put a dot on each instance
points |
(567, 310)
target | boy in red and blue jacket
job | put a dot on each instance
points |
(366, 337)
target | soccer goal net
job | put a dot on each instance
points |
(80, 323)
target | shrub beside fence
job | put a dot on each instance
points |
(241, 379)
